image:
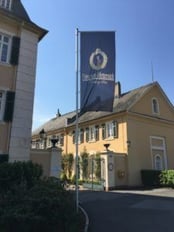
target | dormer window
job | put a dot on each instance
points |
(5, 4)
(155, 106)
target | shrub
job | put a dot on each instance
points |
(150, 177)
(167, 178)
(19, 173)
(31, 203)
(84, 164)
(4, 158)
(44, 207)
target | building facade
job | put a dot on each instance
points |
(19, 38)
(139, 132)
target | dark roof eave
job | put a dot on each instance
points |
(29, 24)
(98, 118)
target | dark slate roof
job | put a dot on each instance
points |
(55, 123)
(18, 12)
(121, 104)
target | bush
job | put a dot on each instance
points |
(34, 203)
(19, 173)
(167, 178)
(150, 178)
(4, 158)
(44, 207)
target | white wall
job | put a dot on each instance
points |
(23, 109)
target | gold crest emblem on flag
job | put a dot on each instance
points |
(98, 59)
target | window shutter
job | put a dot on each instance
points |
(115, 129)
(103, 131)
(97, 133)
(82, 136)
(9, 106)
(73, 137)
(15, 50)
(87, 134)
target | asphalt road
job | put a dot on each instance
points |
(129, 211)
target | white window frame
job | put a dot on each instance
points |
(8, 44)
(159, 148)
(155, 106)
(91, 133)
(158, 163)
(2, 104)
(6, 4)
(110, 127)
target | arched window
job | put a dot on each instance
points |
(158, 162)
(155, 106)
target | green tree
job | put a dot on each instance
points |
(67, 164)
(84, 164)
(98, 166)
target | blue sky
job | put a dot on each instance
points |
(144, 36)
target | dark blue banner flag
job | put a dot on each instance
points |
(97, 66)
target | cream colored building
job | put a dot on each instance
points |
(19, 38)
(140, 132)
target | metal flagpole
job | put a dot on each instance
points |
(77, 129)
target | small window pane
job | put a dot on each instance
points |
(4, 48)
(4, 53)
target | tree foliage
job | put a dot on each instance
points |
(30, 203)
(84, 164)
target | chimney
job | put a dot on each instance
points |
(117, 89)
(58, 113)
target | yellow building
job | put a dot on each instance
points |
(19, 38)
(140, 132)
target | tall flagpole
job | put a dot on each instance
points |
(77, 129)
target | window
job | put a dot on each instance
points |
(5, 42)
(155, 106)
(9, 49)
(6, 4)
(92, 133)
(158, 162)
(110, 130)
(158, 152)
(80, 136)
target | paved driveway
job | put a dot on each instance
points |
(129, 211)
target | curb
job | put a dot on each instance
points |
(86, 218)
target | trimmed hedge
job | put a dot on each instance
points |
(150, 178)
(157, 178)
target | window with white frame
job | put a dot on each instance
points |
(6, 4)
(155, 106)
(5, 44)
(158, 152)
(158, 162)
(110, 130)
(92, 133)
(80, 136)
(2, 104)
